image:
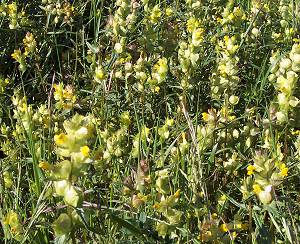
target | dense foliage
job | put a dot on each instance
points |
(150, 121)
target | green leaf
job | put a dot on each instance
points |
(126, 224)
(93, 48)
(230, 199)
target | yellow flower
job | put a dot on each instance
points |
(156, 14)
(169, 11)
(177, 193)
(231, 16)
(156, 206)
(231, 117)
(85, 151)
(12, 9)
(13, 220)
(17, 55)
(251, 169)
(161, 67)
(8, 180)
(224, 227)
(99, 74)
(68, 93)
(223, 198)
(60, 139)
(45, 165)
(192, 24)
(238, 225)
(3, 84)
(205, 116)
(11, 217)
(283, 170)
(234, 234)
(29, 43)
(256, 189)
(23, 107)
(197, 36)
(58, 93)
(170, 122)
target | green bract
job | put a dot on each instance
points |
(62, 225)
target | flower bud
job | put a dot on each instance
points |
(119, 48)
(235, 133)
(255, 32)
(234, 100)
(265, 196)
(281, 117)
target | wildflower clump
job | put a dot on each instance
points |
(123, 22)
(159, 73)
(72, 147)
(267, 174)
(23, 113)
(73, 143)
(284, 71)
(149, 121)
(10, 10)
(167, 204)
(64, 96)
(189, 51)
(226, 77)
(29, 44)
(59, 11)
(285, 9)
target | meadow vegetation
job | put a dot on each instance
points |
(150, 121)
